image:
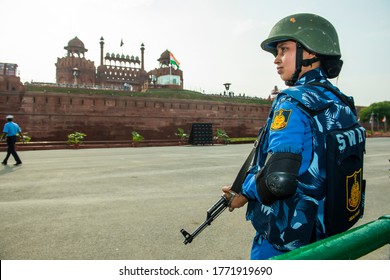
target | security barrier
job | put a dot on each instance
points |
(201, 134)
(349, 245)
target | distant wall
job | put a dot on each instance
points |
(52, 116)
(10, 84)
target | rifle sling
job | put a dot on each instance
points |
(237, 184)
(347, 101)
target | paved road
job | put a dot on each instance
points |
(130, 203)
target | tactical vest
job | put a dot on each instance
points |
(337, 162)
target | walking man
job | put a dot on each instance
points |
(11, 130)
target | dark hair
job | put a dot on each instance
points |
(331, 65)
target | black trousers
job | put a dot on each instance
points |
(11, 140)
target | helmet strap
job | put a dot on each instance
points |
(299, 62)
(308, 62)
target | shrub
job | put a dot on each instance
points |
(181, 134)
(136, 137)
(76, 138)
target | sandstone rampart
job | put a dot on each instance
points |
(52, 116)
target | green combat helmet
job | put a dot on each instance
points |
(314, 33)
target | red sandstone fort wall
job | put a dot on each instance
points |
(52, 116)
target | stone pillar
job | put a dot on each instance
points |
(101, 51)
(142, 57)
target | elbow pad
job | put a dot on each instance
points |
(278, 179)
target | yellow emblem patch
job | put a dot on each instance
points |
(354, 190)
(280, 120)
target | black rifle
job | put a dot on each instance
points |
(223, 202)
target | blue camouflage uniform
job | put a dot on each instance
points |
(298, 220)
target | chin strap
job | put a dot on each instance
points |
(299, 62)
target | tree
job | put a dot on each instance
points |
(379, 110)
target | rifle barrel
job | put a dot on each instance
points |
(212, 214)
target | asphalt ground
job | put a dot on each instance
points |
(131, 203)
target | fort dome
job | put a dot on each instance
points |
(76, 43)
(165, 55)
(75, 46)
(164, 58)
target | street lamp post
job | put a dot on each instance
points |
(372, 121)
(227, 86)
(378, 121)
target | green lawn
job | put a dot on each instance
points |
(155, 93)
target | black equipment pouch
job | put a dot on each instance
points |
(344, 203)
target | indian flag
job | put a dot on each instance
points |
(174, 61)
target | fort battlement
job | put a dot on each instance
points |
(52, 116)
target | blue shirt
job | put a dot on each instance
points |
(291, 223)
(11, 129)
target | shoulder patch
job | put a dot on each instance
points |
(280, 119)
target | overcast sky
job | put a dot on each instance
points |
(216, 41)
